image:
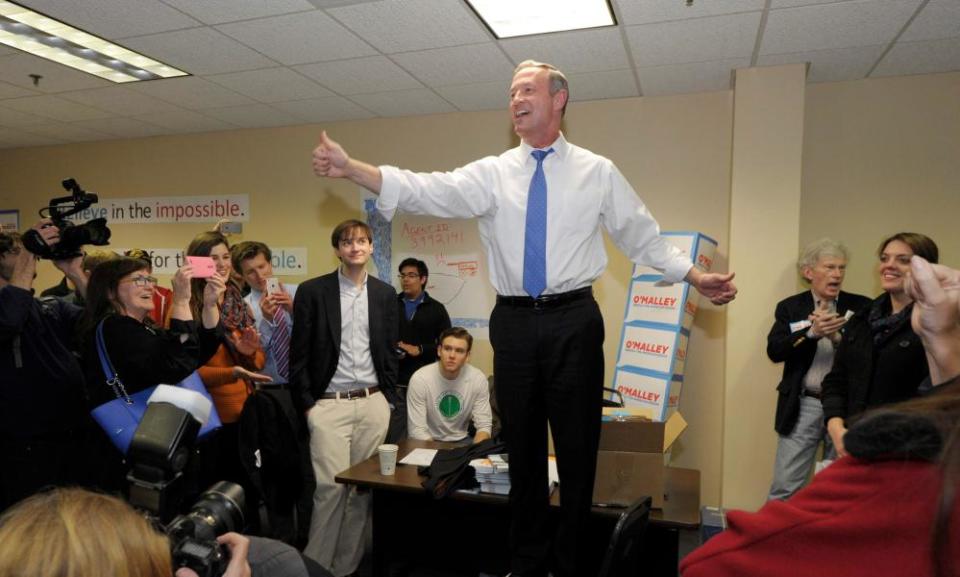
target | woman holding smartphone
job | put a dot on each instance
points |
(230, 374)
(120, 296)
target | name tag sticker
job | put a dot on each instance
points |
(796, 326)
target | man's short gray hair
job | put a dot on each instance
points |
(558, 81)
(818, 249)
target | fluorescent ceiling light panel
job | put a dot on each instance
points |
(26, 30)
(511, 18)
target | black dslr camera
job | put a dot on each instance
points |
(72, 237)
(193, 536)
(158, 454)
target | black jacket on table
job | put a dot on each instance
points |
(144, 356)
(796, 351)
(315, 343)
(423, 329)
(865, 375)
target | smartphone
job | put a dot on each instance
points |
(203, 266)
(273, 285)
(230, 227)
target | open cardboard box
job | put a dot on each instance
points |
(630, 462)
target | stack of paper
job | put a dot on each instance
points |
(493, 474)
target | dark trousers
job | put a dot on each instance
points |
(548, 366)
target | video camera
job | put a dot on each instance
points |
(72, 237)
(158, 454)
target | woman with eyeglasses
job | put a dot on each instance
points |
(120, 295)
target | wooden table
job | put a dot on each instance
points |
(467, 532)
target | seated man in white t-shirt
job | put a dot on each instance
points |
(445, 396)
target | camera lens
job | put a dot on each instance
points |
(221, 507)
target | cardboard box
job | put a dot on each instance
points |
(630, 463)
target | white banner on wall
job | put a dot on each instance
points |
(165, 209)
(287, 260)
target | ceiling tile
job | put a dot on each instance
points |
(17, 138)
(774, 4)
(119, 100)
(404, 103)
(831, 65)
(200, 51)
(15, 118)
(254, 116)
(921, 58)
(458, 65)
(11, 91)
(220, 11)
(686, 78)
(938, 19)
(191, 92)
(400, 25)
(123, 127)
(649, 11)
(841, 25)
(17, 68)
(64, 131)
(335, 3)
(50, 106)
(324, 109)
(180, 121)
(572, 52)
(305, 37)
(271, 85)
(698, 40)
(480, 96)
(602, 85)
(360, 75)
(115, 18)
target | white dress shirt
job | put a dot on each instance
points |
(355, 366)
(584, 191)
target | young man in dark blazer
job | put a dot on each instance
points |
(343, 373)
(803, 337)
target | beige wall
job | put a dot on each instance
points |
(882, 156)
(902, 133)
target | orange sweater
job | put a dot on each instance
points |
(229, 392)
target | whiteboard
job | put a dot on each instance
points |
(451, 248)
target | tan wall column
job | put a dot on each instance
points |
(764, 237)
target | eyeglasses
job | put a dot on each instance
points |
(142, 281)
(409, 275)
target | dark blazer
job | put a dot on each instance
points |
(424, 329)
(865, 375)
(315, 342)
(796, 351)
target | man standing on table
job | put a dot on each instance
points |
(540, 207)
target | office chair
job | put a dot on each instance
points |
(611, 402)
(623, 553)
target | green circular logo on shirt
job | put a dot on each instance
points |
(449, 405)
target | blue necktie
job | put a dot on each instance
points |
(535, 237)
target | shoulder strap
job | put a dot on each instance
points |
(112, 378)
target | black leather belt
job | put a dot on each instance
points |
(546, 301)
(354, 394)
(814, 394)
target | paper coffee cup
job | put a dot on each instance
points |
(388, 459)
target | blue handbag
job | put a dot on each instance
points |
(120, 417)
